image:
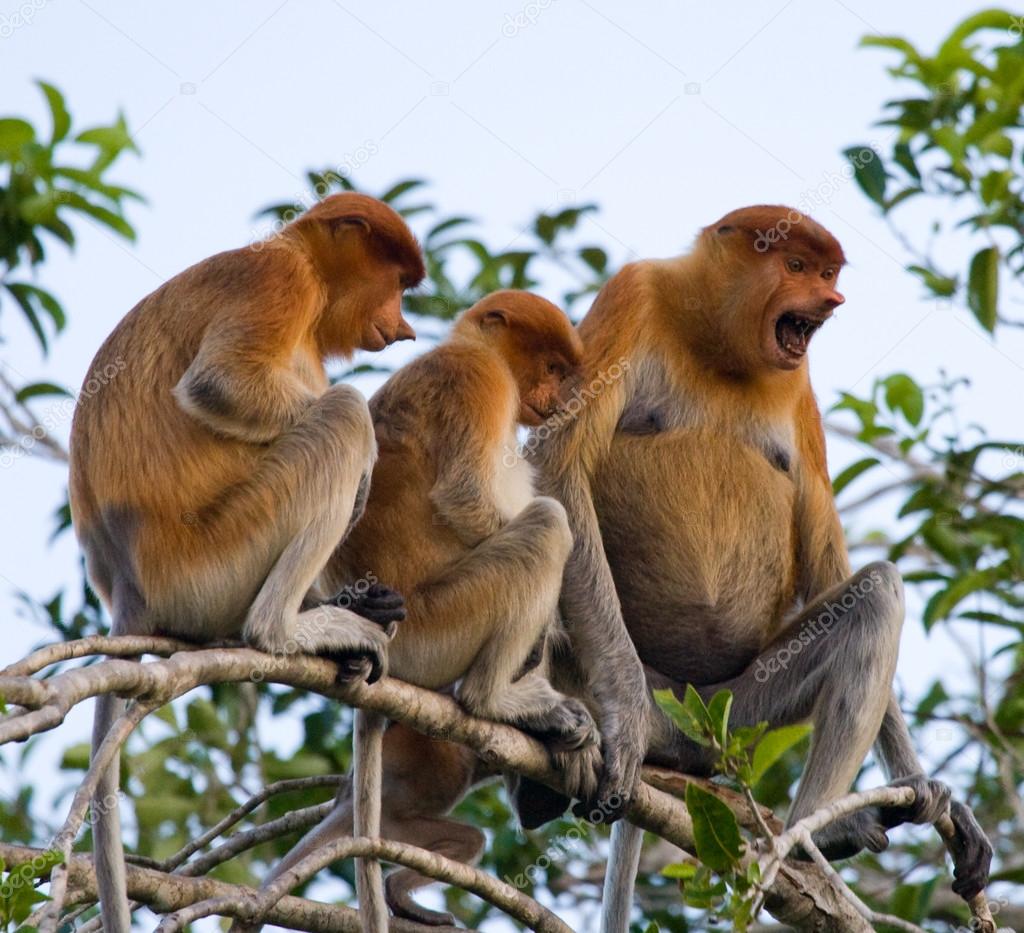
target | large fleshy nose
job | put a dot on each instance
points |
(404, 331)
(832, 299)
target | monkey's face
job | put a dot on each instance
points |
(777, 270)
(804, 297)
(538, 344)
(545, 383)
(383, 324)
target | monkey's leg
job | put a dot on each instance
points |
(833, 665)
(248, 559)
(481, 619)
(457, 841)
(972, 851)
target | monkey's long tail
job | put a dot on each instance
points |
(620, 877)
(108, 851)
(366, 786)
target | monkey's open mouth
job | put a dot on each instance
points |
(793, 333)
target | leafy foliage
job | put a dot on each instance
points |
(41, 190)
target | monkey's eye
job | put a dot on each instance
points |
(794, 264)
(828, 275)
(555, 369)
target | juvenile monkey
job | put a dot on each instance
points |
(453, 522)
(211, 479)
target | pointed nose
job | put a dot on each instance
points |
(404, 331)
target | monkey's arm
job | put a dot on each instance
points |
(590, 604)
(463, 491)
(241, 382)
(824, 561)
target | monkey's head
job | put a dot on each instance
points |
(774, 271)
(366, 257)
(538, 343)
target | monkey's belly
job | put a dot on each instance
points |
(699, 533)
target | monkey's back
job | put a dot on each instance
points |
(402, 539)
(131, 443)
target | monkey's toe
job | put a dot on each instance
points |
(931, 800)
(972, 853)
(356, 667)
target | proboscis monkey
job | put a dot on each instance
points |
(454, 524)
(708, 549)
(214, 474)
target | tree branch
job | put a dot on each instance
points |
(796, 893)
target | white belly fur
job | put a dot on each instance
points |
(513, 480)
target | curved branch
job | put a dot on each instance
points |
(798, 894)
(253, 906)
(164, 893)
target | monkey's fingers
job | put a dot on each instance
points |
(616, 787)
(971, 851)
(931, 800)
(357, 666)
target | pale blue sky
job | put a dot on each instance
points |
(666, 114)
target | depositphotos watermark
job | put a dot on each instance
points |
(558, 849)
(780, 658)
(581, 397)
(821, 195)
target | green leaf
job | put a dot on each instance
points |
(715, 830)
(695, 726)
(58, 111)
(37, 389)
(868, 172)
(854, 470)
(14, 134)
(595, 257)
(983, 287)
(396, 191)
(773, 746)
(904, 395)
(718, 710)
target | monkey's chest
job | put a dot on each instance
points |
(699, 530)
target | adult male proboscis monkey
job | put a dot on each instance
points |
(216, 470)
(707, 540)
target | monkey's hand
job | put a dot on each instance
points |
(377, 603)
(971, 851)
(623, 748)
(565, 727)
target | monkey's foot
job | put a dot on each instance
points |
(378, 603)
(402, 905)
(565, 727)
(931, 800)
(849, 835)
(357, 645)
(971, 851)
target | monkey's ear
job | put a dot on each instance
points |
(494, 318)
(338, 224)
